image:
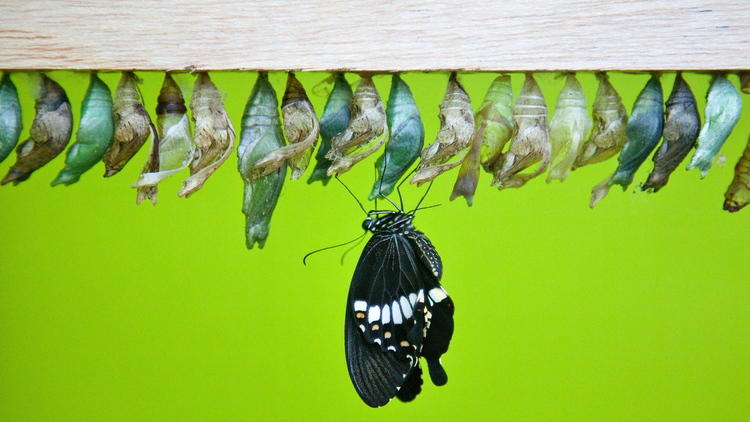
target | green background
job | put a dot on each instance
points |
(638, 310)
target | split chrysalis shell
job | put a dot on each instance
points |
(570, 125)
(610, 119)
(405, 140)
(94, 135)
(745, 81)
(531, 144)
(643, 131)
(723, 109)
(49, 133)
(738, 192)
(174, 149)
(132, 124)
(334, 120)
(454, 137)
(10, 116)
(301, 128)
(680, 132)
(214, 135)
(494, 127)
(364, 134)
(261, 134)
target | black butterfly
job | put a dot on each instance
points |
(396, 312)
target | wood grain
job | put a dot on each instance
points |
(381, 35)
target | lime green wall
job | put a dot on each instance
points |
(638, 310)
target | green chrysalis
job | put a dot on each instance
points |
(454, 137)
(405, 141)
(10, 116)
(570, 125)
(723, 109)
(643, 132)
(680, 132)
(94, 133)
(334, 120)
(214, 134)
(261, 134)
(49, 134)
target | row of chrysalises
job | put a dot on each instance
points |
(511, 140)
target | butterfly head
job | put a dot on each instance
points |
(388, 222)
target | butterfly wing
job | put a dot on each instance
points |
(385, 319)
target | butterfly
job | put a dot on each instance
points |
(396, 311)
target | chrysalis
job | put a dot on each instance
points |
(132, 124)
(405, 141)
(494, 121)
(10, 116)
(261, 134)
(334, 120)
(745, 82)
(301, 129)
(723, 108)
(94, 133)
(365, 132)
(214, 134)
(494, 127)
(738, 193)
(643, 132)
(531, 142)
(175, 144)
(568, 128)
(680, 132)
(453, 138)
(49, 134)
(610, 118)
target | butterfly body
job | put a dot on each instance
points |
(396, 311)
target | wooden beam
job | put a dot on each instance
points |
(376, 35)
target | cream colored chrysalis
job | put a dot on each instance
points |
(301, 129)
(610, 119)
(568, 128)
(531, 142)
(366, 130)
(214, 135)
(454, 137)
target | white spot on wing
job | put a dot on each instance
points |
(405, 307)
(360, 305)
(438, 294)
(377, 340)
(373, 314)
(396, 313)
(386, 317)
(412, 299)
(392, 348)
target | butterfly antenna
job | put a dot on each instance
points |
(423, 197)
(398, 187)
(304, 259)
(351, 193)
(343, 255)
(427, 207)
(380, 187)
